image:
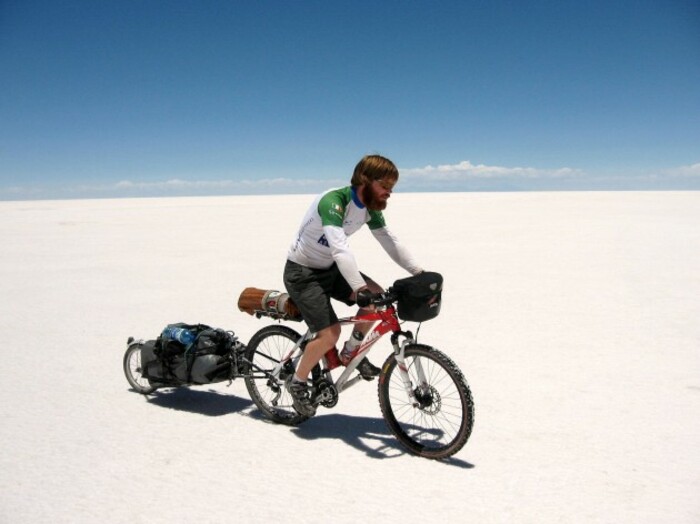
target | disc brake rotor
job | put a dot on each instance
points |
(429, 399)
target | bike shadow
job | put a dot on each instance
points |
(203, 402)
(369, 435)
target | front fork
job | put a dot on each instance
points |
(399, 355)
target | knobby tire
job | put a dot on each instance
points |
(441, 425)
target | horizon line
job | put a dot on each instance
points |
(303, 193)
(461, 177)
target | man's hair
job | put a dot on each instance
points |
(374, 167)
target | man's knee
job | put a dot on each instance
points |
(331, 334)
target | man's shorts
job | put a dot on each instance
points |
(312, 289)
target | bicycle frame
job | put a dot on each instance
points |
(388, 322)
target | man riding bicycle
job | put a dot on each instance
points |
(320, 266)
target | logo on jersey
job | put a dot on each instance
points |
(337, 210)
(323, 241)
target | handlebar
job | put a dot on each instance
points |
(382, 299)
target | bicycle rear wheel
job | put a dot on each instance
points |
(440, 425)
(265, 351)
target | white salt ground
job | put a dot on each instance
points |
(574, 317)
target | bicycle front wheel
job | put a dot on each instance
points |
(264, 352)
(439, 422)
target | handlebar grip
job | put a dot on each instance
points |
(364, 298)
(384, 299)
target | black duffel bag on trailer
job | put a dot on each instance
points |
(419, 296)
(170, 360)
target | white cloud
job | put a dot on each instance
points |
(178, 184)
(463, 176)
(692, 170)
(465, 170)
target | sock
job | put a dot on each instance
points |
(297, 379)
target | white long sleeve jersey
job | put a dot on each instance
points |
(323, 235)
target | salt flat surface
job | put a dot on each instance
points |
(574, 317)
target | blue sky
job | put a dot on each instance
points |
(141, 98)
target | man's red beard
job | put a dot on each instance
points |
(371, 200)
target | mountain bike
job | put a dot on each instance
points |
(423, 396)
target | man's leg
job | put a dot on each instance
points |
(297, 384)
(366, 368)
(323, 341)
(364, 327)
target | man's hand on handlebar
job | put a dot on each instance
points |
(364, 297)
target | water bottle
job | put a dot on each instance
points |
(351, 346)
(182, 335)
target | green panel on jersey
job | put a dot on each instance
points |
(331, 207)
(376, 220)
(334, 205)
